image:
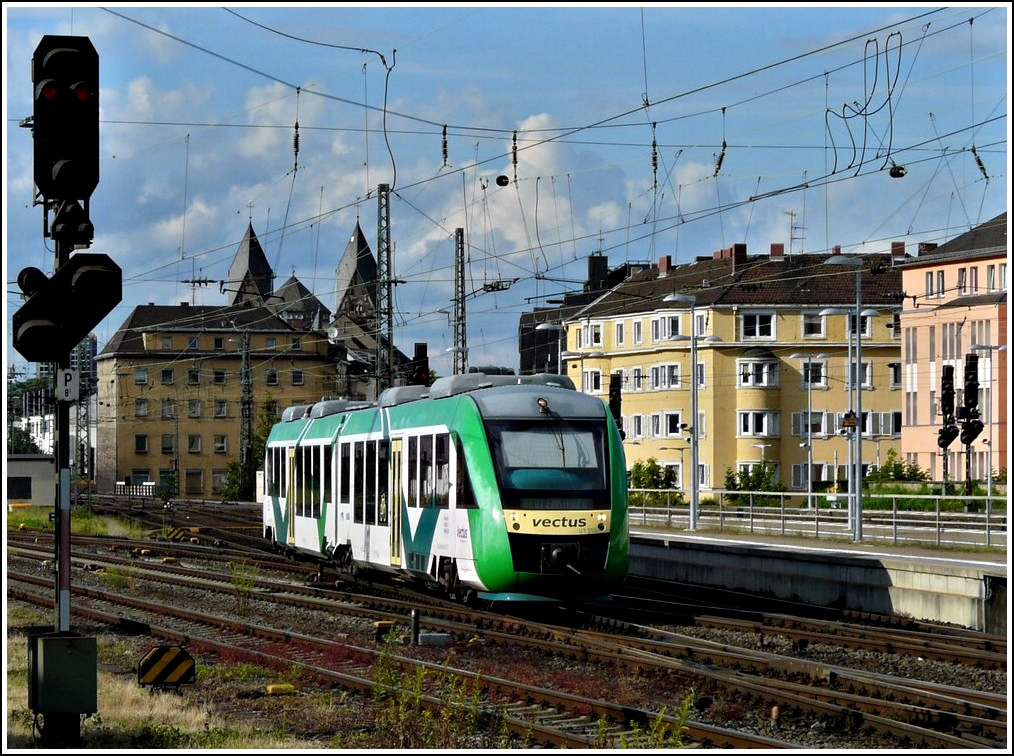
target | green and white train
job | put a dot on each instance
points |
(488, 487)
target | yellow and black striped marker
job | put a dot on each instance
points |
(166, 665)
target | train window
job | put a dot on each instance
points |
(313, 510)
(554, 457)
(370, 483)
(442, 470)
(328, 459)
(358, 450)
(426, 470)
(383, 471)
(413, 471)
(344, 473)
(465, 495)
(296, 494)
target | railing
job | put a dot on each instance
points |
(966, 521)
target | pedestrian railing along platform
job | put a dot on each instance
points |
(956, 521)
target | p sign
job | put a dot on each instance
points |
(68, 386)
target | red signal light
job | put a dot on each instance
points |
(49, 91)
(82, 93)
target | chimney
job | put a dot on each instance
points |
(777, 249)
(836, 249)
(664, 265)
(897, 249)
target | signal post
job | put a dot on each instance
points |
(59, 312)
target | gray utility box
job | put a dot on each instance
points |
(62, 674)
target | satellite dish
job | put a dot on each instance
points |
(332, 334)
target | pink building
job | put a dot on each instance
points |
(956, 299)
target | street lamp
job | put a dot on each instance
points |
(581, 355)
(560, 332)
(989, 418)
(810, 358)
(460, 358)
(857, 457)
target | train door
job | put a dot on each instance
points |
(394, 507)
(292, 496)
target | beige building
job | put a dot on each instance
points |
(180, 388)
(956, 299)
(774, 337)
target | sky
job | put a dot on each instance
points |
(546, 132)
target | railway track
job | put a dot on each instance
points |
(849, 699)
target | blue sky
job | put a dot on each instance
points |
(640, 131)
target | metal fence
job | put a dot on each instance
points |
(923, 519)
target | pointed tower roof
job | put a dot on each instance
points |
(250, 276)
(356, 274)
(297, 306)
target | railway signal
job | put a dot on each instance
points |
(61, 310)
(947, 392)
(65, 117)
(971, 383)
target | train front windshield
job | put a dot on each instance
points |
(556, 465)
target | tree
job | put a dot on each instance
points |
(894, 469)
(266, 419)
(651, 475)
(21, 442)
(756, 478)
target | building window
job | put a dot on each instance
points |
(619, 334)
(270, 342)
(298, 379)
(194, 443)
(218, 377)
(813, 325)
(297, 344)
(167, 343)
(758, 423)
(929, 285)
(219, 343)
(962, 280)
(665, 328)
(758, 325)
(140, 408)
(193, 482)
(666, 376)
(895, 368)
(167, 376)
(221, 408)
(637, 423)
(973, 280)
(221, 444)
(866, 375)
(757, 373)
(591, 381)
(193, 407)
(194, 377)
(674, 424)
(638, 336)
(192, 344)
(140, 376)
(168, 408)
(805, 424)
(168, 443)
(271, 377)
(219, 480)
(140, 443)
(814, 374)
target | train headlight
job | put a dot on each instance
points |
(515, 523)
(603, 519)
(543, 405)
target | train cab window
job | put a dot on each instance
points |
(344, 473)
(441, 470)
(413, 471)
(383, 471)
(370, 482)
(464, 495)
(358, 453)
(313, 483)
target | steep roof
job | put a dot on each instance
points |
(250, 276)
(356, 273)
(295, 303)
(985, 240)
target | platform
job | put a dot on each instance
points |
(961, 587)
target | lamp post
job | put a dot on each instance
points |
(560, 332)
(857, 457)
(989, 349)
(810, 358)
